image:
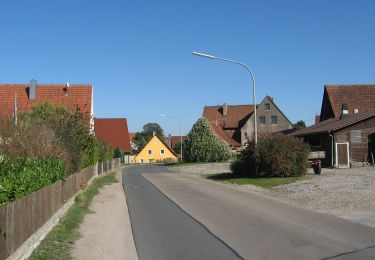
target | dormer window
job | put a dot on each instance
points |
(267, 106)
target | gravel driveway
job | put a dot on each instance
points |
(347, 193)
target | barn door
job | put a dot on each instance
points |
(371, 149)
(342, 155)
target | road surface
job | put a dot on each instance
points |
(161, 229)
(254, 226)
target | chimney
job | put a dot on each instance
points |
(32, 89)
(153, 133)
(317, 119)
(170, 140)
(344, 111)
(225, 109)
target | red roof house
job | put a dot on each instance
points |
(22, 97)
(114, 132)
(356, 98)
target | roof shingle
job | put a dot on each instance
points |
(114, 132)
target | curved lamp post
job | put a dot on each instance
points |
(179, 124)
(253, 80)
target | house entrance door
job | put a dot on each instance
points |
(342, 155)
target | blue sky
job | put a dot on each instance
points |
(137, 54)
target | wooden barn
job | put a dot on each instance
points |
(346, 140)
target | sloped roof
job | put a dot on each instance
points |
(236, 117)
(225, 126)
(176, 139)
(225, 136)
(77, 95)
(360, 96)
(114, 132)
(335, 124)
(131, 136)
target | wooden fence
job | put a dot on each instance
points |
(22, 218)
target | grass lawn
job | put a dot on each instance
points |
(260, 182)
(60, 240)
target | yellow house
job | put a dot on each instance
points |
(156, 150)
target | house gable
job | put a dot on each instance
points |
(270, 119)
(159, 151)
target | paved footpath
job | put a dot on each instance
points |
(106, 232)
(255, 226)
(163, 231)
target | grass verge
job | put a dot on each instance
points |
(60, 240)
(260, 182)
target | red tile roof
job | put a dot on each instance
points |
(114, 132)
(361, 97)
(176, 139)
(225, 127)
(131, 136)
(78, 95)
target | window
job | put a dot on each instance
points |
(355, 136)
(267, 106)
(274, 120)
(141, 160)
(245, 135)
(149, 151)
(161, 151)
(262, 120)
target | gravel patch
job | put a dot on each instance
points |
(203, 168)
(348, 193)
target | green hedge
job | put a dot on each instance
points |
(275, 156)
(20, 178)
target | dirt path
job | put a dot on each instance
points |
(106, 232)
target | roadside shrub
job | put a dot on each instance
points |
(26, 175)
(72, 130)
(275, 156)
(201, 145)
(105, 152)
(30, 140)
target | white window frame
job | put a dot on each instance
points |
(265, 107)
(149, 152)
(337, 154)
(162, 153)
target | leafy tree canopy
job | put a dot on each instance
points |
(142, 138)
(300, 125)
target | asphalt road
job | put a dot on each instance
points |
(161, 229)
(254, 226)
(259, 227)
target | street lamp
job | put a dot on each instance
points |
(179, 123)
(253, 79)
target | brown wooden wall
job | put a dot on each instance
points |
(22, 218)
(358, 151)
